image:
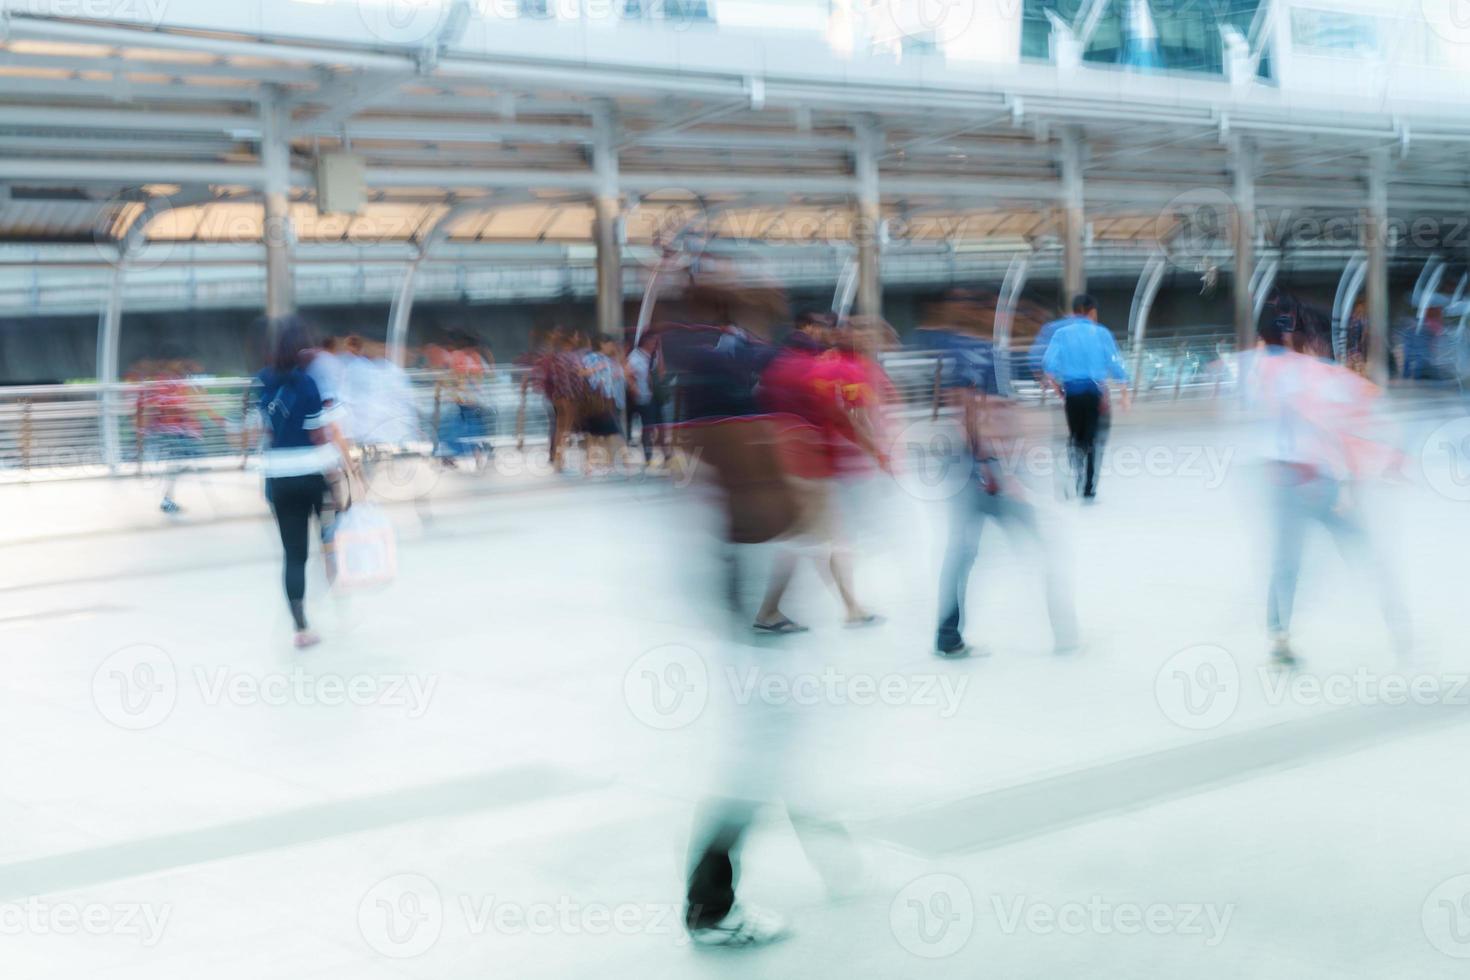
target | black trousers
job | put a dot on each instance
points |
(1084, 426)
(651, 417)
(294, 500)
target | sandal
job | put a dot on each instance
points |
(781, 627)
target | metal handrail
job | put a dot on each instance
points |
(58, 429)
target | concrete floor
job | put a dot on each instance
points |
(491, 767)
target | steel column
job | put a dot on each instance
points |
(1073, 217)
(869, 230)
(275, 160)
(1243, 167)
(1375, 235)
(606, 211)
(109, 332)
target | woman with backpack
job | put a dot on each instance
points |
(302, 445)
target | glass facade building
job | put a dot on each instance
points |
(1173, 35)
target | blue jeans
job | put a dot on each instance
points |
(1298, 501)
(971, 508)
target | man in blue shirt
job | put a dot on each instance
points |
(1080, 360)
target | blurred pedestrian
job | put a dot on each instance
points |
(990, 493)
(1316, 452)
(303, 444)
(1081, 359)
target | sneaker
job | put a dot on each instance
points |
(169, 507)
(960, 651)
(741, 926)
(306, 638)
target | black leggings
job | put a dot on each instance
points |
(294, 499)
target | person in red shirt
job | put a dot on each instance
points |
(168, 411)
(827, 396)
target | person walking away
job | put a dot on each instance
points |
(606, 403)
(1081, 359)
(644, 404)
(990, 493)
(302, 445)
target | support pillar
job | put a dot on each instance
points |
(1243, 231)
(109, 332)
(275, 160)
(1073, 218)
(869, 227)
(1375, 242)
(606, 210)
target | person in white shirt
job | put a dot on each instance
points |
(1314, 412)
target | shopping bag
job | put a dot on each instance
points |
(363, 550)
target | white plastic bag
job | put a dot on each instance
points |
(363, 550)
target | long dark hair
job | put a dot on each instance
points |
(293, 336)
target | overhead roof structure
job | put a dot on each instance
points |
(504, 110)
(476, 127)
